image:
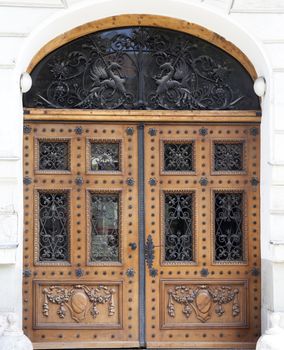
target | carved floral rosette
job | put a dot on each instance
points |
(202, 299)
(77, 300)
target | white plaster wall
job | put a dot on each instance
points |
(255, 26)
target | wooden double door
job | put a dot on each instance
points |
(141, 235)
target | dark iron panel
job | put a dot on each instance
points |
(141, 68)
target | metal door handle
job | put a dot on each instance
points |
(150, 256)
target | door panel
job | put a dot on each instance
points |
(202, 236)
(81, 218)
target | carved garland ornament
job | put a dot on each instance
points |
(201, 299)
(76, 298)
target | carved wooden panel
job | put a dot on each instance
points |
(85, 305)
(213, 299)
(203, 304)
(69, 299)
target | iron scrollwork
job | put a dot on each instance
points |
(228, 156)
(178, 156)
(229, 235)
(178, 227)
(53, 226)
(53, 155)
(140, 68)
(105, 227)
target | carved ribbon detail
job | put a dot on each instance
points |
(76, 299)
(202, 299)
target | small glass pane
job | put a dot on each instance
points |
(104, 156)
(178, 227)
(105, 227)
(228, 156)
(178, 156)
(53, 226)
(229, 226)
(53, 155)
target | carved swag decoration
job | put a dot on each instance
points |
(140, 68)
(77, 300)
(202, 299)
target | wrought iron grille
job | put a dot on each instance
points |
(53, 226)
(229, 234)
(178, 156)
(228, 156)
(104, 156)
(53, 155)
(141, 68)
(178, 227)
(105, 227)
